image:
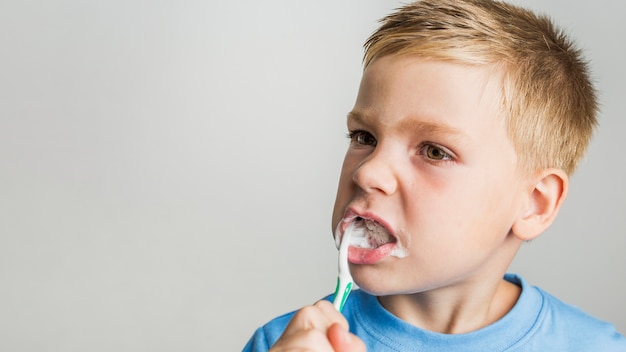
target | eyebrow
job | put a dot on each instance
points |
(416, 125)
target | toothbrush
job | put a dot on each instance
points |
(344, 279)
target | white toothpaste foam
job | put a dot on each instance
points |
(370, 234)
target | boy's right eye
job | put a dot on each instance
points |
(361, 137)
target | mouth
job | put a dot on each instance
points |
(368, 233)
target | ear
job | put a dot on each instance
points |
(544, 201)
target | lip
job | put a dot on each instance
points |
(367, 256)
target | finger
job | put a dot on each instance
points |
(332, 314)
(303, 341)
(309, 318)
(343, 341)
(309, 327)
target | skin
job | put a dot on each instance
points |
(318, 328)
(431, 161)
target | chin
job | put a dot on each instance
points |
(375, 286)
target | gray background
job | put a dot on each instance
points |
(168, 169)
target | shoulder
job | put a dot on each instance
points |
(265, 336)
(567, 327)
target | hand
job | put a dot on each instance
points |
(318, 328)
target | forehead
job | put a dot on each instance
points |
(413, 91)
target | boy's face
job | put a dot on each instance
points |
(432, 170)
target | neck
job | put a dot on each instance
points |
(455, 310)
(466, 305)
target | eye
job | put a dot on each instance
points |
(360, 137)
(436, 153)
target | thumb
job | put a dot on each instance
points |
(343, 341)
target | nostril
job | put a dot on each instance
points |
(376, 174)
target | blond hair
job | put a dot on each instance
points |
(547, 96)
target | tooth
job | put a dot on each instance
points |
(361, 242)
(377, 232)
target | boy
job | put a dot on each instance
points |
(470, 116)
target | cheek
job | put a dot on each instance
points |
(483, 212)
(451, 207)
(344, 193)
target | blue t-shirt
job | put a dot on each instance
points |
(537, 322)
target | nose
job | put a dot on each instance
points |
(377, 173)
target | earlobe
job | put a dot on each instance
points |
(544, 202)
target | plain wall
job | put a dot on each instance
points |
(168, 169)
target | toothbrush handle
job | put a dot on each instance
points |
(341, 293)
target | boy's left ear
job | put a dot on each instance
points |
(544, 201)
